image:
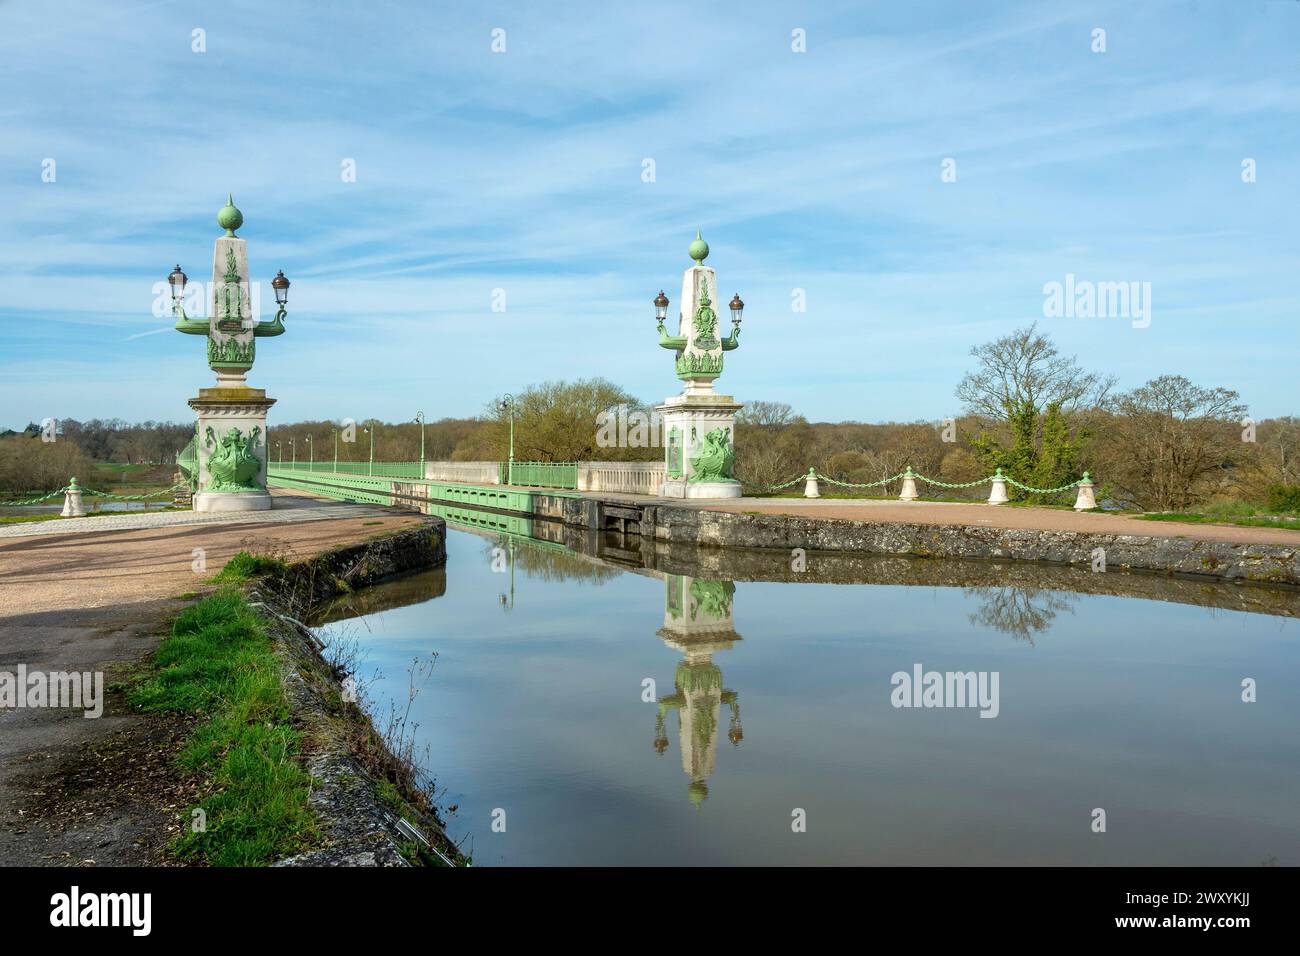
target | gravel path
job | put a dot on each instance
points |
(95, 594)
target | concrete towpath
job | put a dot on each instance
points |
(96, 594)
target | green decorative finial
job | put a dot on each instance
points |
(228, 217)
(699, 249)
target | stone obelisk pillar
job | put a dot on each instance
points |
(699, 425)
(231, 434)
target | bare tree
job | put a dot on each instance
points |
(1172, 444)
(1025, 369)
(765, 414)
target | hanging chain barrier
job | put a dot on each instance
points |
(814, 474)
(94, 494)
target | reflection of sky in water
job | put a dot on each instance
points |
(1119, 703)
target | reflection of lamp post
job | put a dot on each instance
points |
(509, 605)
(311, 454)
(419, 417)
(508, 404)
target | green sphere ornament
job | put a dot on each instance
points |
(228, 217)
(699, 249)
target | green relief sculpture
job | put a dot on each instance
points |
(233, 464)
(713, 597)
(716, 458)
(697, 678)
(706, 323)
(231, 353)
(698, 365)
(231, 298)
(674, 460)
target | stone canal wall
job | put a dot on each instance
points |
(1258, 563)
(361, 791)
(1277, 564)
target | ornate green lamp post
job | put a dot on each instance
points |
(336, 449)
(279, 454)
(370, 430)
(507, 405)
(232, 416)
(311, 454)
(419, 417)
(699, 424)
(293, 447)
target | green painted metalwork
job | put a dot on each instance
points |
(349, 485)
(546, 474)
(382, 469)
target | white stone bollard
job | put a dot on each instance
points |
(810, 488)
(72, 501)
(998, 493)
(1087, 499)
(909, 486)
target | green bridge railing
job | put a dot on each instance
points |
(539, 474)
(561, 475)
(377, 469)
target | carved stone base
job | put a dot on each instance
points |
(232, 501)
(686, 420)
(221, 409)
(700, 489)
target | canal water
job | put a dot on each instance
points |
(610, 702)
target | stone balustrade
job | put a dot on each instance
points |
(628, 477)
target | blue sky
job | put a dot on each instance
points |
(522, 171)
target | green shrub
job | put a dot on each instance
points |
(1284, 499)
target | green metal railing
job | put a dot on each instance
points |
(540, 474)
(378, 469)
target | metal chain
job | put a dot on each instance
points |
(1042, 491)
(149, 494)
(858, 484)
(814, 473)
(31, 501)
(94, 494)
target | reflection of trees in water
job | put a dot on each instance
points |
(1019, 611)
(551, 564)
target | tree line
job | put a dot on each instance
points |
(1167, 445)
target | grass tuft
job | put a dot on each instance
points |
(219, 663)
(245, 566)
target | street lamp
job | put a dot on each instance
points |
(279, 454)
(737, 309)
(661, 307)
(281, 286)
(293, 447)
(507, 404)
(370, 430)
(419, 417)
(177, 281)
(311, 454)
(336, 449)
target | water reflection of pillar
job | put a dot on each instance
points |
(697, 623)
